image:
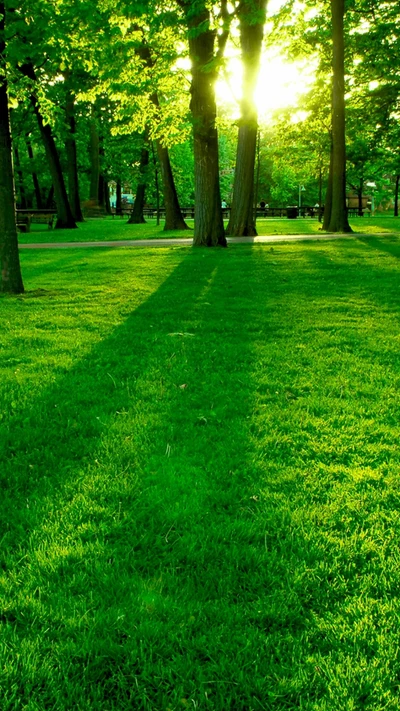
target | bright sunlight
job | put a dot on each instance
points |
(280, 84)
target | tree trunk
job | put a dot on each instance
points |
(94, 162)
(241, 221)
(173, 216)
(328, 195)
(10, 270)
(107, 204)
(21, 187)
(118, 198)
(396, 196)
(338, 221)
(65, 219)
(208, 222)
(70, 148)
(38, 194)
(137, 216)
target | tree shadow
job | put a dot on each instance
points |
(170, 558)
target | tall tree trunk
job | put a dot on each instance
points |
(65, 218)
(137, 216)
(70, 148)
(173, 216)
(252, 20)
(107, 204)
(38, 194)
(101, 195)
(118, 197)
(21, 186)
(328, 195)
(208, 222)
(396, 196)
(10, 270)
(338, 221)
(94, 161)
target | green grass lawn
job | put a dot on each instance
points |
(118, 229)
(200, 479)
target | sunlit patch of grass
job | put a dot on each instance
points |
(118, 229)
(199, 470)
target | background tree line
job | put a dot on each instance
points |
(96, 95)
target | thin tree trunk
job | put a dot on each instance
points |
(241, 221)
(94, 162)
(338, 218)
(118, 198)
(21, 186)
(173, 215)
(396, 196)
(10, 270)
(38, 194)
(107, 204)
(208, 222)
(137, 216)
(65, 218)
(70, 148)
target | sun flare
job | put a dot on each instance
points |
(280, 84)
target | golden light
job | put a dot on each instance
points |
(280, 84)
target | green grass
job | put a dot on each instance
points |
(117, 229)
(199, 471)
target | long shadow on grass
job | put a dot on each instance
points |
(169, 561)
(111, 484)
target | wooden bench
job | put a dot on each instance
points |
(24, 219)
(43, 218)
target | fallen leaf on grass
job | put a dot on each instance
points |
(179, 333)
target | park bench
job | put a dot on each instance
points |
(24, 218)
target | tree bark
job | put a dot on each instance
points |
(173, 215)
(208, 222)
(137, 216)
(118, 198)
(94, 161)
(22, 194)
(252, 21)
(10, 269)
(38, 194)
(65, 218)
(338, 221)
(70, 148)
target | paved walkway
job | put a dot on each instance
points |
(179, 242)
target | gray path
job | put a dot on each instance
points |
(179, 242)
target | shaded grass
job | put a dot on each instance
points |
(200, 480)
(118, 229)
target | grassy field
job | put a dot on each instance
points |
(117, 229)
(200, 479)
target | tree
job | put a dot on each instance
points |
(10, 270)
(335, 216)
(208, 226)
(252, 14)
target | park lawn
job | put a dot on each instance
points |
(118, 229)
(200, 479)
